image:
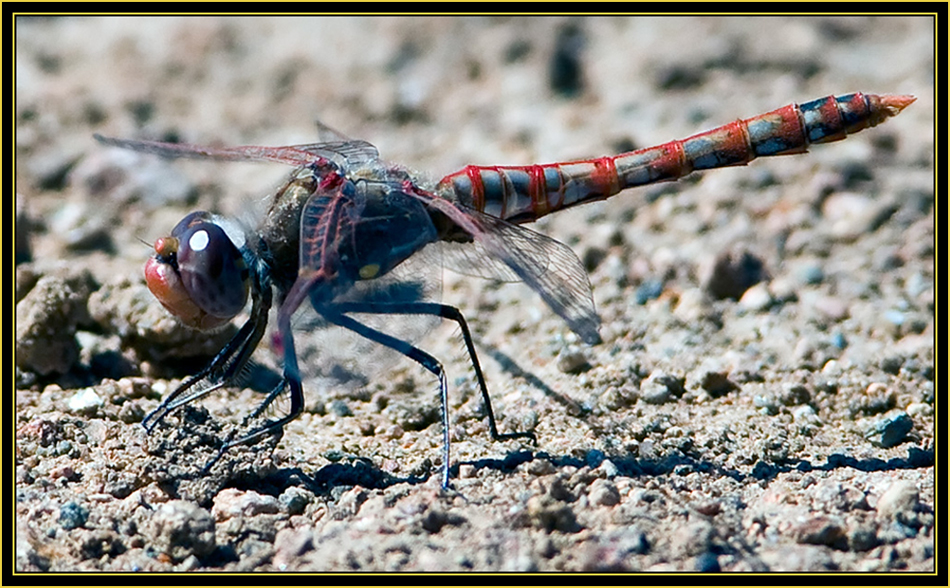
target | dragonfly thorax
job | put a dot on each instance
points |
(387, 226)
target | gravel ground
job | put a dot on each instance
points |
(764, 396)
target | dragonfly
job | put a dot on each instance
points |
(345, 219)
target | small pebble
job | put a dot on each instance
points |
(609, 468)
(604, 493)
(766, 404)
(693, 306)
(73, 515)
(551, 515)
(838, 340)
(708, 563)
(804, 414)
(892, 364)
(716, 383)
(732, 273)
(850, 214)
(831, 368)
(84, 401)
(660, 388)
(340, 408)
(189, 564)
(900, 498)
(295, 500)
(862, 538)
(916, 285)
(648, 290)
(181, 528)
(572, 361)
(794, 394)
(820, 530)
(231, 502)
(63, 471)
(757, 298)
(895, 532)
(891, 430)
(918, 409)
(811, 274)
(895, 316)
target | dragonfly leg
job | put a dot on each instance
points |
(275, 427)
(271, 397)
(291, 379)
(453, 314)
(426, 360)
(227, 364)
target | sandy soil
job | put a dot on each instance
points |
(764, 397)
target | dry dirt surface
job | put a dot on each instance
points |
(764, 396)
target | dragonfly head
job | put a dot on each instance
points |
(198, 273)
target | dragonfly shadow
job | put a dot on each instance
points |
(357, 472)
(625, 465)
(509, 365)
(680, 464)
(361, 472)
(916, 458)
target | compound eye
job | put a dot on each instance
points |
(191, 219)
(211, 268)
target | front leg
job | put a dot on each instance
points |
(225, 366)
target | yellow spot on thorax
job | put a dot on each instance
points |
(369, 271)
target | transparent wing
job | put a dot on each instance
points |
(549, 267)
(328, 134)
(342, 357)
(288, 155)
(349, 153)
(472, 259)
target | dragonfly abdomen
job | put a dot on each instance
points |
(525, 193)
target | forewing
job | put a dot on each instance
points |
(346, 154)
(288, 155)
